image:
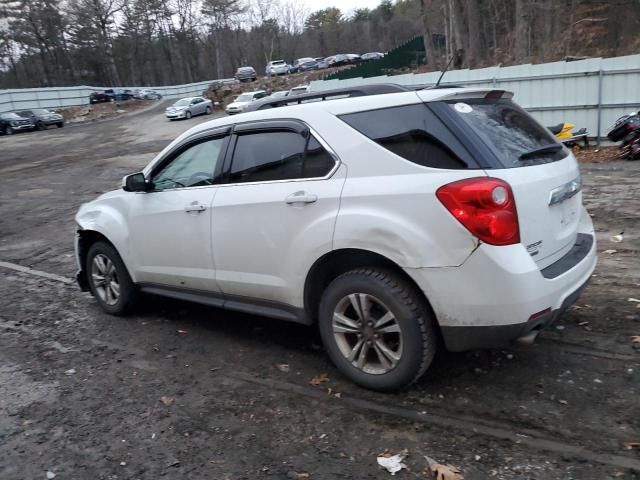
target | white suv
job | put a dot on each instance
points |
(389, 220)
(277, 67)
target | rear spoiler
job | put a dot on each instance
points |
(480, 93)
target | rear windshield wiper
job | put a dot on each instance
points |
(552, 147)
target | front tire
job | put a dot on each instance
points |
(109, 279)
(60, 125)
(8, 130)
(207, 111)
(377, 329)
(187, 115)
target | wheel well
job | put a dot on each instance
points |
(337, 262)
(88, 238)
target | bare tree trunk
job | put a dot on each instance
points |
(521, 30)
(474, 46)
(216, 46)
(457, 27)
(429, 50)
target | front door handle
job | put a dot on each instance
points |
(300, 197)
(195, 207)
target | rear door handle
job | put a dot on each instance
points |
(195, 207)
(300, 197)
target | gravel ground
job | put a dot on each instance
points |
(182, 391)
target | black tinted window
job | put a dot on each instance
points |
(265, 156)
(509, 131)
(413, 133)
(317, 162)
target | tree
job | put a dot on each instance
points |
(220, 14)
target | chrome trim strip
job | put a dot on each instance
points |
(566, 191)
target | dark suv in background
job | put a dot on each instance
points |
(12, 122)
(43, 118)
(111, 94)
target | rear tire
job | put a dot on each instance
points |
(399, 350)
(109, 279)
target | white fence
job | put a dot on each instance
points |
(589, 93)
(59, 97)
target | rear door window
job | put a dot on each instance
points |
(278, 155)
(516, 138)
(414, 133)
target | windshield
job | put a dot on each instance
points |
(514, 136)
(277, 62)
(182, 103)
(245, 97)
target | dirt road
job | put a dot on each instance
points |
(181, 391)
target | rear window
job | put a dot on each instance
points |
(515, 137)
(414, 133)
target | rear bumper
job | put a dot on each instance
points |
(458, 339)
(499, 294)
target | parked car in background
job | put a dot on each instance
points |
(304, 64)
(299, 90)
(276, 67)
(367, 57)
(189, 107)
(98, 97)
(12, 122)
(43, 118)
(354, 58)
(321, 62)
(241, 101)
(147, 94)
(110, 94)
(338, 60)
(246, 74)
(279, 94)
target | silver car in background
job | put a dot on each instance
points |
(189, 107)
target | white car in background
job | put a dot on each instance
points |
(277, 67)
(389, 220)
(243, 100)
(189, 107)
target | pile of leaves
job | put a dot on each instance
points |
(99, 111)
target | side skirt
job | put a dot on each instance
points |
(231, 302)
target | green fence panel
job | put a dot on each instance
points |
(408, 55)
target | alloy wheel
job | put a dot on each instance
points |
(367, 333)
(105, 279)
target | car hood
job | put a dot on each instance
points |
(173, 107)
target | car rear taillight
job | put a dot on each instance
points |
(485, 206)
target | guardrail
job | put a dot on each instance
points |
(590, 93)
(60, 97)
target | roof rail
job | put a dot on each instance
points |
(349, 92)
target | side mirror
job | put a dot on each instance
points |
(135, 183)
